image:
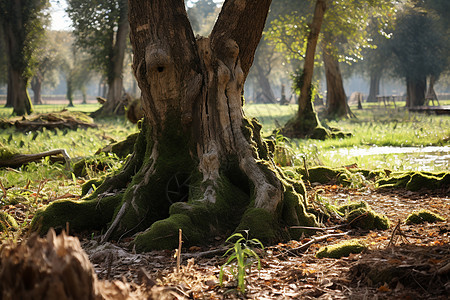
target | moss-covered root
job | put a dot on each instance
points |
(7, 222)
(360, 215)
(343, 248)
(415, 181)
(422, 216)
(77, 215)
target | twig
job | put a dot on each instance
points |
(209, 253)
(391, 241)
(41, 186)
(319, 228)
(180, 241)
(3, 189)
(316, 240)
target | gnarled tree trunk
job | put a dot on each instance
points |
(198, 163)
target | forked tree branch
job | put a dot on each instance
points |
(242, 21)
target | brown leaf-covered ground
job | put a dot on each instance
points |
(404, 262)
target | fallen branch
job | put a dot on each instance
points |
(22, 159)
(314, 240)
(209, 253)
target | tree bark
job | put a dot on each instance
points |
(374, 88)
(20, 99)
(415, 90)
(198, 163)
(306, 122)
(336, 99)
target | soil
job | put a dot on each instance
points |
(404, 262)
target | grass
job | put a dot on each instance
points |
(373, 126)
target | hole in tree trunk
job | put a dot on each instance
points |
(177, 189)
(160, 69)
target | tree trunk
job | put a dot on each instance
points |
(198, 163)
(431, 93)
(415, 90)
(374, 88)
(306, 122)
(70, 91)
(9, 95)
(114, 104)
(36, 86)
(17, 95)
(264, 84)
(336, 99)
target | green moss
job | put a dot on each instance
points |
(320, 133)
(348, 207)
(360, 215)
(260, 224)
(7, 222)
(122, 148)
(163, 234)
(420, 180)
(415, 181)
(87, 186)
(295, 214)
(422, 216)
(343, 248)
(6, 152)
(81, 215)
(325, 175)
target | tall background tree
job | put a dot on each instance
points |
(48, 60)
(198, 164)
(343, 37)
(23, 23)
(101, 30)
(421, 44)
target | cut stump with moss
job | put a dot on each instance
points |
(198, 163)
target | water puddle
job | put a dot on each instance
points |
(430, 158)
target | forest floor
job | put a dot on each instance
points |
(404, 262)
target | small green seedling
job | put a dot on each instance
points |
(241, 258)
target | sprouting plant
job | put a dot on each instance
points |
(241, 258)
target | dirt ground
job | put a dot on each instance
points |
(404, 262)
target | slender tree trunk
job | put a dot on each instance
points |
(70, 91)
(306, 123)
(114, 103)
(36, 86)
(264, 84)
(83, 93)
(374, 88)
(198, 163)
(336, 99)
(415, 90)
